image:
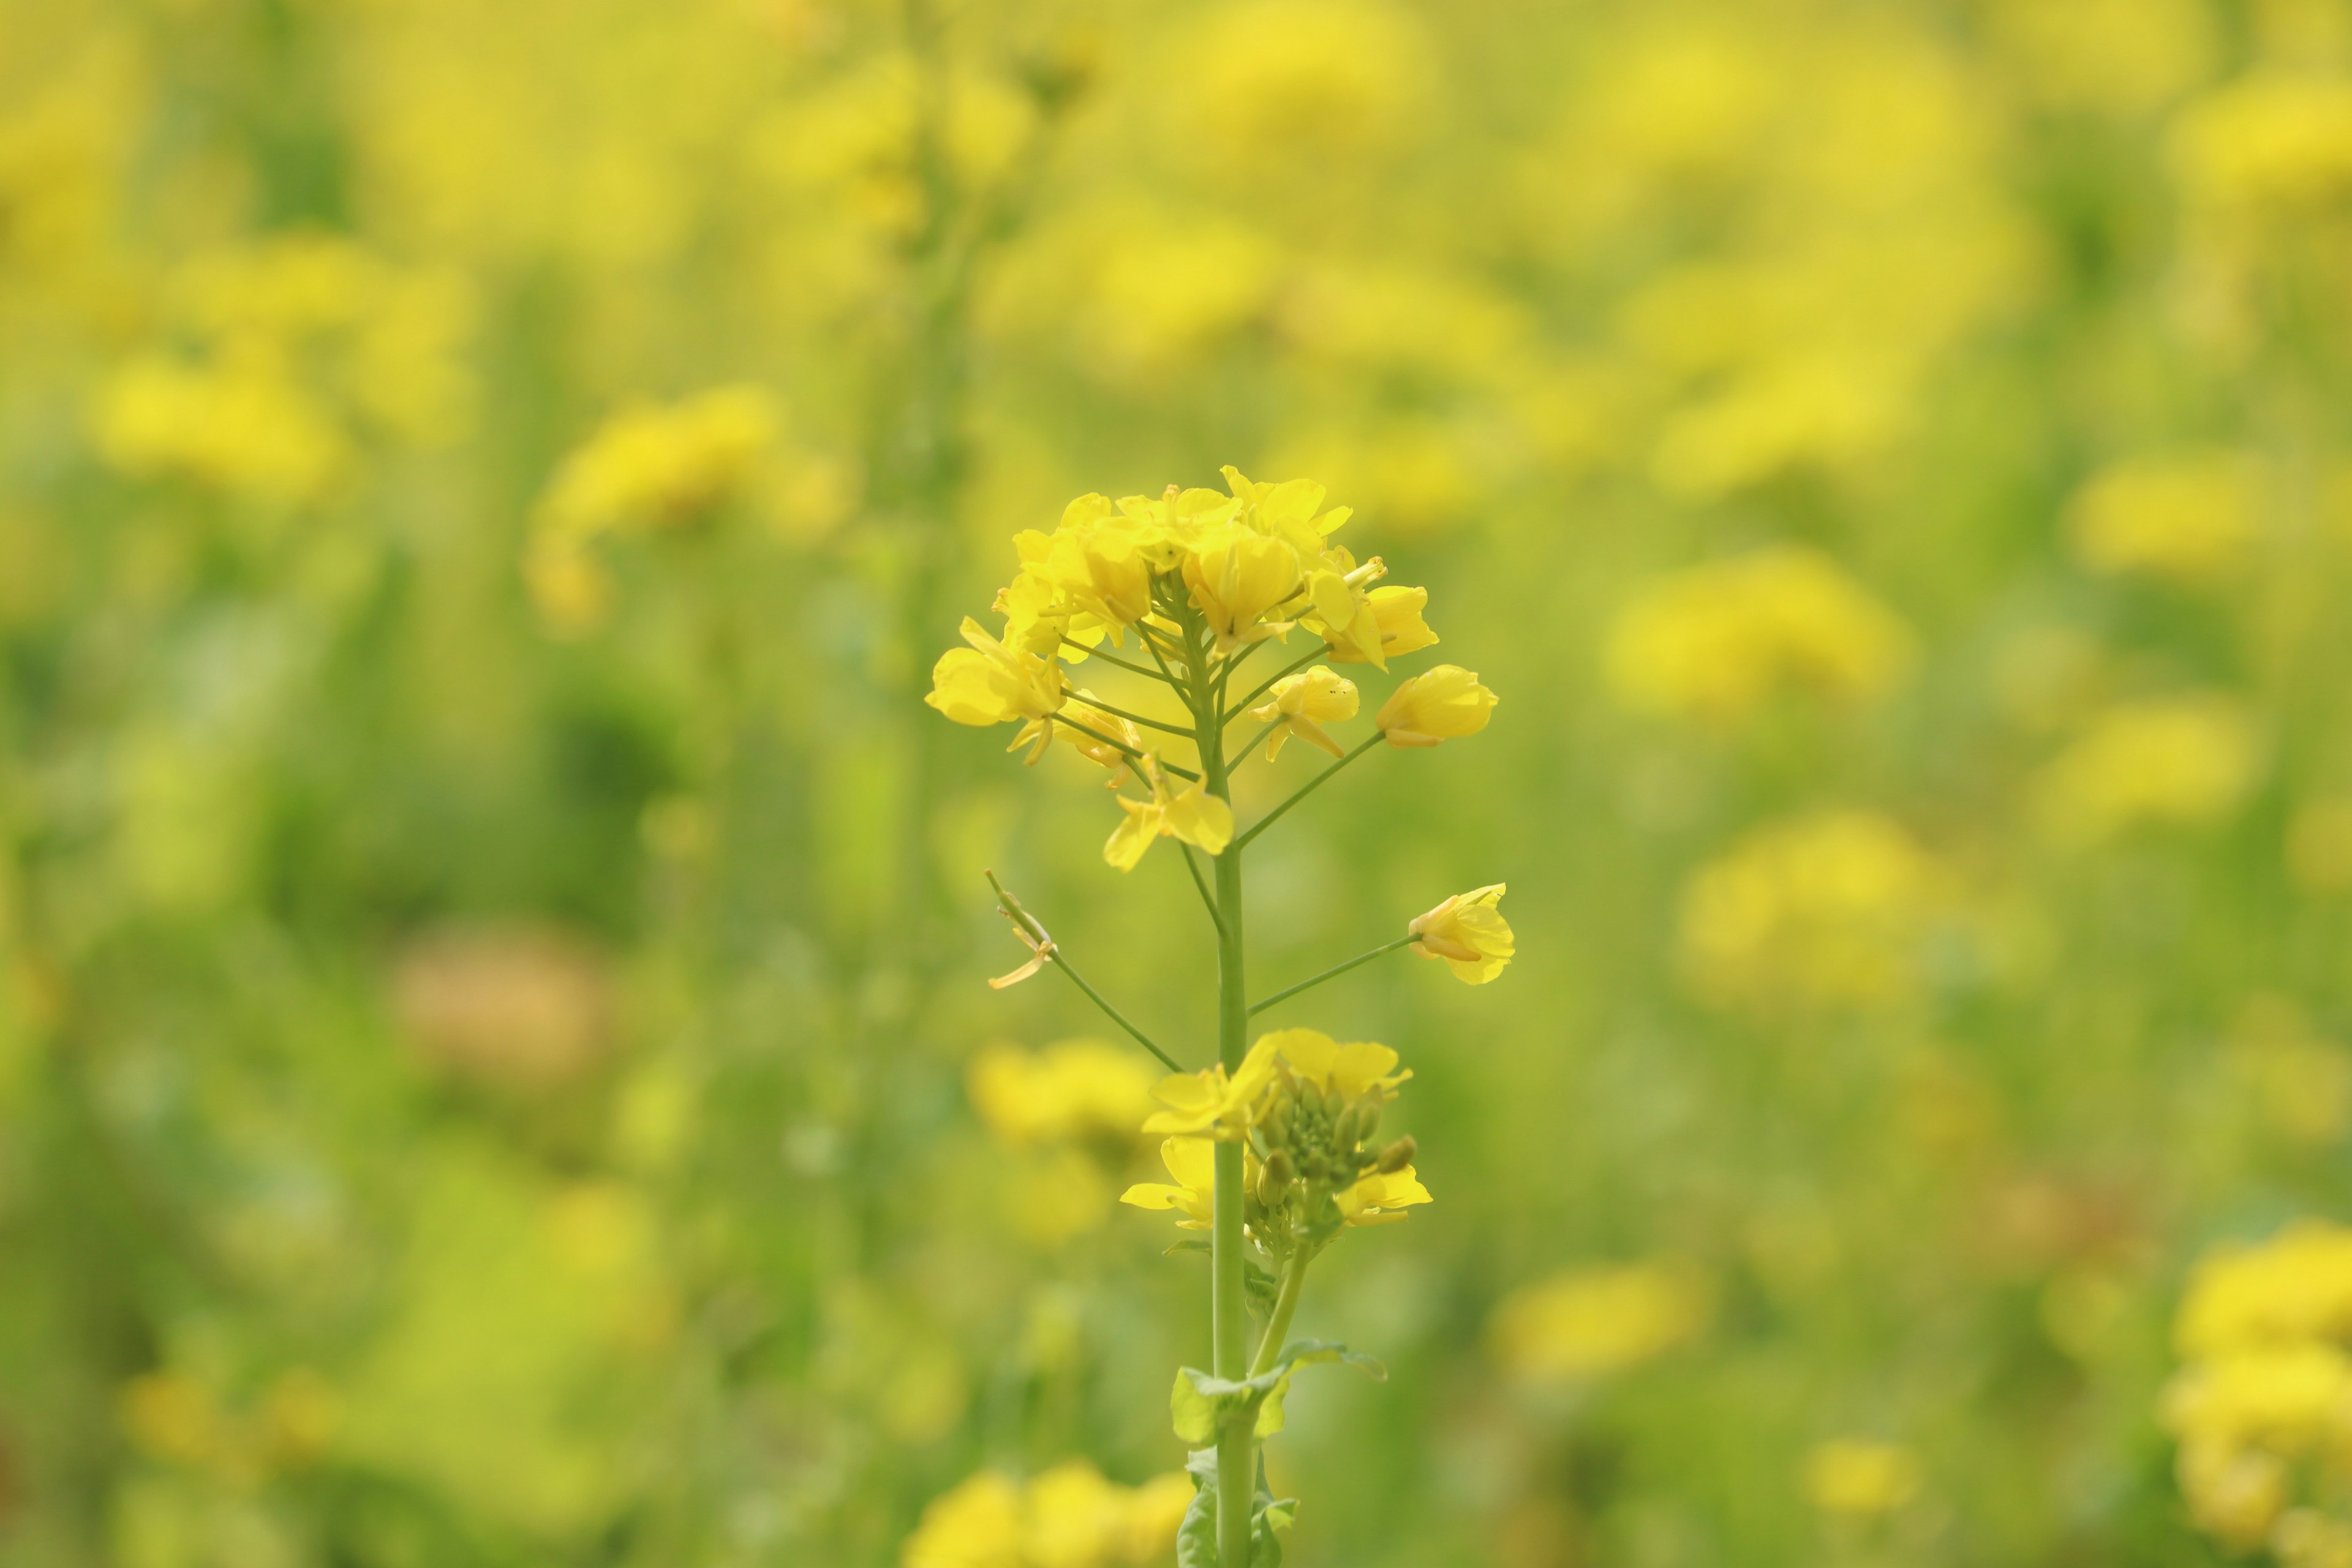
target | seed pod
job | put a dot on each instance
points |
(1397, 1155)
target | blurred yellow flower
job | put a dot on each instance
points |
(1719, 640)
(2165, 761)
(1301, 704)
(1070, 1090)
(659, 466)
(1305, 80)
(1469, 933)
(1444, 702)
(249, 429)
(1066, 1517)
(2319, 845)
(2295, 1287)
(2190, 517)
(1853, 1477)
(1823, 910)
(1586, 1323)
(2267, 143)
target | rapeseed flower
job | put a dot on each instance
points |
(2192, 517)
(1212, 1103)
(1072, 1089)
(1301, 704)
(1469, 933)
(1717, 641)
(1193, 1162)
(2165, 761)
(1192, 815)
(1443, 704)
(1069, 1516)
(1856, 1479)
(988, 683)
(1594, 1323)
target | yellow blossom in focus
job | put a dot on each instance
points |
(1826, 909)
(1212, 1104)
(1378, 1198)
(1350, 1072)
(1192, 815)
(2191, 517)
(1396, 618)
(1066, 1517)
(1072, 1090)
(2165, 763)
(988, 683)
(1592, 1322)
(1236, 575)
(1301, 704)
(1717, 641)
(656, 466)
(1853, 1477)
(1469, 933)
(1443, 704)
(1193, 1162)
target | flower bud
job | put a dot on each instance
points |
(1397, 1155)
(1368, 1118)
(1274, 1179)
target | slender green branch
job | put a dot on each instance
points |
(1138, 718)
(1333, 973)
(1238, 709)
(1051, 950)
(1285, 1302)
(1309, 787)
(1151, 646)
(1123, 748)
(1123, 664)
(1208, 898)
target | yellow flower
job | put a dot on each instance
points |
(1236, 575)
(1398, 613)
(1853, 1478)
(1193, 1162)
(1291, 510)
(1444, 703)
(1300, 704)
(655, 466)
(2190, 517)
(1718, 640)
(2297, 1286)
(1212, 1104)
(1066, 1517)
(2176, 761)
(1349, 1071)
(1098, 559)
(1592, 1322)
(1469, 933)
(1106, 738)
(1194, 816)
(988, 683)
(1376, 1199)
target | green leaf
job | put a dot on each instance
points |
(1184, 1244)
(1306, 1353)
(1196, 1538)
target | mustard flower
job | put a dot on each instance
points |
(1851, 1478)
(1290, 511)
(1591, 1322)
(1193, 1162)
(1469, 933)
(1443, 703)
(1349, 1072)
(1194, 816)
(1212, 1104)
(1396, 615)
(1236, 575)
(988, 683)
(1301, 704)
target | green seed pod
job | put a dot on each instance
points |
(1397, 1155)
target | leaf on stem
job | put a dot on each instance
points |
(1196, 1538)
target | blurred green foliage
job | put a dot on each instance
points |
(491, 943)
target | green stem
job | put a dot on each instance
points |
(1238, 709)
(1123, 748)
(1052, 949)
(1138, 718)
(1229, 1304)
(1285, 1302)
(1113, 659)
(1208, 898)
(1332, 974)
(1309, 787)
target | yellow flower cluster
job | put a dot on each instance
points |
(2189, 516)
(1825, 910)
(174, 1417)
(2167, 761)
(1858, 1479)
(1199, 580)
(1305, 1108)
(2262, 1407)
(1072, 1091)
(288, 355)
(1590, 1323)
(1066, 1517)
(1720, 640)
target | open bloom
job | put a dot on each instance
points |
(1444, 703)
(1193, 1162)
(988, 683)
(1195, 816)
(1349, 1072)
(1380, 1197)
(1397, 625)
(1099, 737)
(1237, 575)
(1300, 704)
(1212, 1103)
(1469, 933)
